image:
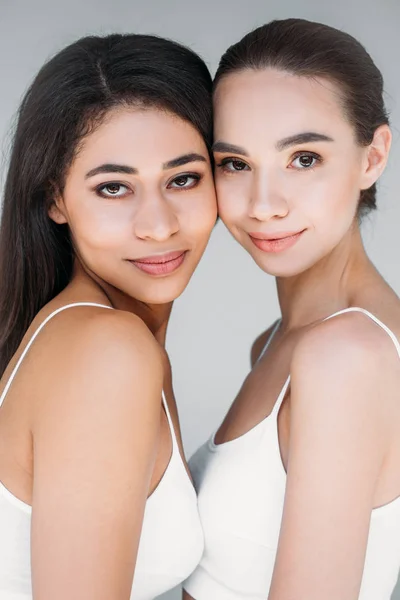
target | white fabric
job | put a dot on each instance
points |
(241, 488)
(171, 542)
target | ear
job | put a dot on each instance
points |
(57, 211)
(377, 154)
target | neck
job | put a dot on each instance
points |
(155, 316)
(330, 285)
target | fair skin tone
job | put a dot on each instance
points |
(61, 436)
(339, 436)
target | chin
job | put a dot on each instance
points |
(283, 266)
(161, 292)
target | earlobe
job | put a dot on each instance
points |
(56, 214)
(377, 156)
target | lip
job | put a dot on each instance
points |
(160, 264)
(275, 242)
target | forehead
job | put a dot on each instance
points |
(276, 104)
(137, 136)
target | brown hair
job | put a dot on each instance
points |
(309, 49)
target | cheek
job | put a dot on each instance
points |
(327, 198)
(233, 195)
(101, 225)
(197, 213)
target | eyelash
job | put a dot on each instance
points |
(223, 165)
(99, 189)
(317, 158)
(196, 180)
(195, 176)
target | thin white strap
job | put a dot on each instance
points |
(269, 340)
(375, 319)
(281, 397)
(171, 425)
(396, 342)
(39, 329)
(390, 333)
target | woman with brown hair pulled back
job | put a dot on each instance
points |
(299, 490)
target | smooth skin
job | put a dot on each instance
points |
(340, 421)
(84, 437)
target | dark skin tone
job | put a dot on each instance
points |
(98, 412)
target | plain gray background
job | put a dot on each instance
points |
(229, 300)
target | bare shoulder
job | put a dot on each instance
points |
(259, 344)
(96, 432)
(342, 431)
(349, 336)
(97, 332)
(96, 354)
(348, 357)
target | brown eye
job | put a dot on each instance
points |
(305, 160)
(238, 165)
(185, 182)
(112, 190)
(181, 181)
(231, 165)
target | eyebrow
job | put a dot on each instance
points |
(111, 168)
(293, 140)
(175, 162)
(228, 148)
(302, 138)
(184, 160)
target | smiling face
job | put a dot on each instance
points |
(140, 203)
(288, 167)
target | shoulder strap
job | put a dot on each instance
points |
(373, 318)
(170, 423)
(390, 333)
(269, 340)
(38, 330)
(283, 391)
(281, 397)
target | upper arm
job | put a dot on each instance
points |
(95, 439)
(336, 449)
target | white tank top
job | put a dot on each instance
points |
(241, 489)
(171, 542)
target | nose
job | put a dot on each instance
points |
(155, 219)
(267, 198)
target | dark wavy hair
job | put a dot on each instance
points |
(309, 49)
(70, 97)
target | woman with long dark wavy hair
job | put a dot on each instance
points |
(299, 490)
(109, 203)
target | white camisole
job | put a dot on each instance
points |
(241, 489)
(171, 542)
